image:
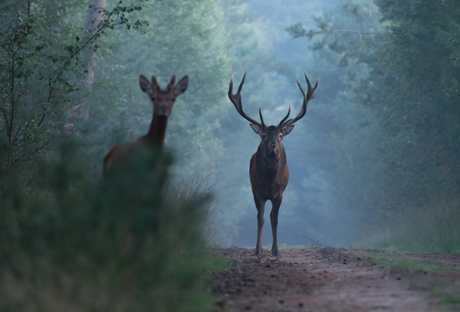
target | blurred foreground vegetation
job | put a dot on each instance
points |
(72, 241)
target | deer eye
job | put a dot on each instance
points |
(152, 98)
(173, 99)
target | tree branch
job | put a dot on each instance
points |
(105, 24)
(16, 136)
(12, 98)
(312, 33)
(48, 101)
(5, 116)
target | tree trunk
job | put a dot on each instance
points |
(93, 17)
(55, 14)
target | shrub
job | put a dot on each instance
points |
(72, 241)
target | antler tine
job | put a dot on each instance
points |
(171, 83)
(311, 92)
(236, 100)
(287, 116)
(300, 87)
(260, 114)
(308, 81)
(307, 96)
(241, 83)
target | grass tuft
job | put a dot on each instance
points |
(450, 301)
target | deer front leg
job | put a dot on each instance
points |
(260, 205)
(276, 203)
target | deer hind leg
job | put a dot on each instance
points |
(260, 205)
(274, 221)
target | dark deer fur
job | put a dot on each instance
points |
(163, 101)
(268, 170)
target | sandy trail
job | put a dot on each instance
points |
(330, 279)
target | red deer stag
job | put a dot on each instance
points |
(268, 171)
(163, 101)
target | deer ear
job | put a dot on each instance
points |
(145, 85)
(181, 86)
(257, 129)
(285, 131)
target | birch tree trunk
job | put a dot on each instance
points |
(54, 11)
(93, 17)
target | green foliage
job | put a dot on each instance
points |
(412, 92)
(417, 72)
(41, 67)
(184, 38)
(404, 69)
(101, 245)
(79, 242)
(353, 34)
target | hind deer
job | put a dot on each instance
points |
(163, 101)
(268, 170)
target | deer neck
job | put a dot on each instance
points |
(272, 163)
(157, 131)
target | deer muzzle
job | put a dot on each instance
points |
(272, 146)
(163, 110)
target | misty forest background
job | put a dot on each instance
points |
(375, 161)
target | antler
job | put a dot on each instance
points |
(310, 94)
(170, 86)
(236, 100)
(280, 125)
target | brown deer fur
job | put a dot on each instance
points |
(268, 170)
(163, 101)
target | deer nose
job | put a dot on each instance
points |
(163, 109)
(272, 144)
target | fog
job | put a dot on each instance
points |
(377, 148)
(309, 213)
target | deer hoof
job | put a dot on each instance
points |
(275, 253)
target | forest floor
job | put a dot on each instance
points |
(337, 279)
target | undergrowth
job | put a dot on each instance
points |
(73, 241)
(430, 228)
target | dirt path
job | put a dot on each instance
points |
(331, 279)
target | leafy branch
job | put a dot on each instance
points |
(76, 49)
(297, 30)
(26, 47)
(336, 39)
